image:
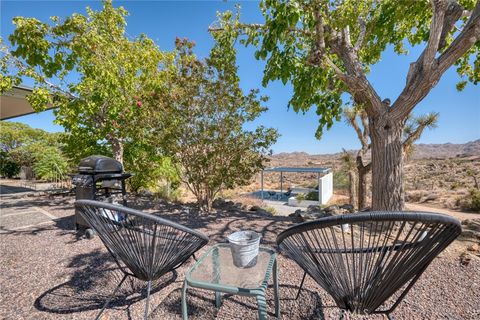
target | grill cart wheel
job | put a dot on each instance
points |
(89, 233)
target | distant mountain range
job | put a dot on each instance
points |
(421, 151)
(447, 150)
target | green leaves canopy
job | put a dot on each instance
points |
(306, 43)
(90, 69)
(201, 119)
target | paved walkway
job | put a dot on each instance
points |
(17, 215)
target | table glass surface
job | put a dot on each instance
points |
(216, 267)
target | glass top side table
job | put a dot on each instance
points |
(215, 271)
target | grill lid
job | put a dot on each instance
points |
(99, 164)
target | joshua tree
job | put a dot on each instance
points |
(325, 49)
(358, 119)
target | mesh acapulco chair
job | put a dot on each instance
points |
(364, 259)
(144, 246)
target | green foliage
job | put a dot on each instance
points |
(200, 123)
(471, 201)
(26, 146)
(8, 168)
(51, 165)
(300, 197)
(101, 104)
(341, 180)
(270, 210)
(312, 196)
(152, 171)
(299, 50)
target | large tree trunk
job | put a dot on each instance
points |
(362, 170)
(387, 164)
(353, 188)
(362, 187)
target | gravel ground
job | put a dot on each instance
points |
(49, 273)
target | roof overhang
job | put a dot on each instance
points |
(295, 169)
(14, 103)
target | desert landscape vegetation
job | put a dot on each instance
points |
(155, 147)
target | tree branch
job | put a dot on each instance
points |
(421, 81)
(428, 56)
(462, 43)
(453, 12)
(361, 36)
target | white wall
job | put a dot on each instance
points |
(325, 188)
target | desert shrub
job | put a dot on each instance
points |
(167, 192)
(341, 180)
(270, 210)
(51, 165)
(312, 196)
(470, 201)
(8, 168)
(300, 197)
(456, 185)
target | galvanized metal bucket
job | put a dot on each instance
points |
(244, 246)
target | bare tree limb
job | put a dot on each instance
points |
(421, 81)
(462, 43)
(428, 56)
(346, 36)
(361, 36)
(319, 31)
(453, 12)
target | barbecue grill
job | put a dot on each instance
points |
(99, 178)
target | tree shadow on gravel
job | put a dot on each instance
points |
(95, 277)
(201, 305)
(218, 225)
(65, 224)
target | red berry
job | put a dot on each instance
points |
(139, 103)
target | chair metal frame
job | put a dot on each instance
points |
(142, 245)
(364, 259)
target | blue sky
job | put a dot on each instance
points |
(163, 21)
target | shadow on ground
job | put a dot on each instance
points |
(201, 305)
(7, 189)
(94, 280)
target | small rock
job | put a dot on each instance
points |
(332, 208)
(348, 207)
(313, 208)
(296, 214)
(473, 247)
(218, 203)
(238, 205)
(465, 259)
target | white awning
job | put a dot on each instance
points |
(14, 103)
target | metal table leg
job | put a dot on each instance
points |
(184, 301)
(216, 277)
(275, 290)
(262, 306)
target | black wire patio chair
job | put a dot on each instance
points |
(368, 260)
(143, 246)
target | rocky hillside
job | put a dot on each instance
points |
(447, 150)
(438, 174)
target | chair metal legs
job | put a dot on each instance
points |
(301, 285)
(111, 296)
(149, 287)
(344, 315)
